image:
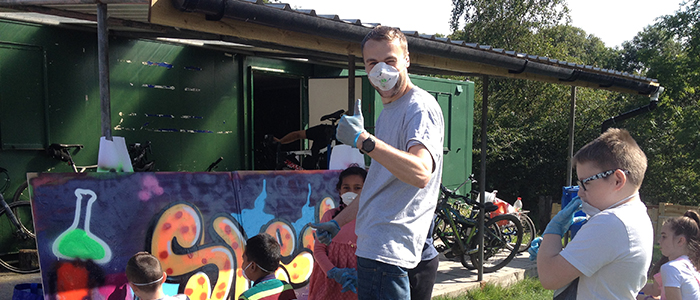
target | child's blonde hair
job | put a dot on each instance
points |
(615, 149)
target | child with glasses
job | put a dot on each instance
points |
(261, 259)
(609, 257)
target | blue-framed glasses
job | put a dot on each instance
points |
(582, 182)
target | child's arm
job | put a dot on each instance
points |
(650, 291)
(321, 250)
(673, 293)
(554, 271)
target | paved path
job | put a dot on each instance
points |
(8, 281)
(452, 278)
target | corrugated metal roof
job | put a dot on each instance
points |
(137, 10)
(414, 33)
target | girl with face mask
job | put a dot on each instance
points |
(334, 275)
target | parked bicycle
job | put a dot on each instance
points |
(64, 152)
(529, 231)
(19, 255)
(271, 156)
(456, 229)
(138, 153)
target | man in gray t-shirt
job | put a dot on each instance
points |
(399, 196)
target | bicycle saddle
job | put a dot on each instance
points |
(333, 116)
(489, 207)
(58, 151)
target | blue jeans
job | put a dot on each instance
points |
(377, 280)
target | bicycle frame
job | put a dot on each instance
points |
(13, 218)
(449, 214)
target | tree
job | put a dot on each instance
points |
(670, 51)
(509, 24)
(528, 120)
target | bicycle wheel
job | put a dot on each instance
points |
(439, 227)
(529, 232)
(22, 192)
(19, 255)
(502, 237)
(4, 179)
(465, 258)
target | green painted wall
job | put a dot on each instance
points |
(456, 98)
(194, 104)
(186, 100)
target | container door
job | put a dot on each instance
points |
(456, 98)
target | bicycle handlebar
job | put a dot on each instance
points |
(213, 165)
(333, 116)
(488, 206)
(66, 146)
(452, 194)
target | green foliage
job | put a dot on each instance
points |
(529, 288)
(668, 50)
(509, 24)
(528, 121)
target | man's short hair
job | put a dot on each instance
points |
(264, 250)
(144, 271)
(615, 149)
(388, 34)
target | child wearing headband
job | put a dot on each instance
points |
(146, 277)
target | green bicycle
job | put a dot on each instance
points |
(455, 234)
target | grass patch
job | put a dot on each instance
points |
(529, 288)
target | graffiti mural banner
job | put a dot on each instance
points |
(89, 225)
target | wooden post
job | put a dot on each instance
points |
(572, 123)
(351, 84)
(545, 206)
(482, 179)
(103, 67)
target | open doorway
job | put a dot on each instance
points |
(277, 107)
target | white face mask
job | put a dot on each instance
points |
(590, 210)
(348, 197)
(384, 76)
(246, 268)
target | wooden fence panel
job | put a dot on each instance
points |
(658, 214)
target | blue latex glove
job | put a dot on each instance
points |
(347, 277)
(350, 127)
(564, 219)
(336, 274)
(349, 281)
(534, 248)
(326, 231)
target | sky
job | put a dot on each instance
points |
(613, 21)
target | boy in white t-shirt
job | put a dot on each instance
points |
(611, 253)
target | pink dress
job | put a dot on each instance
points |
(341, 254)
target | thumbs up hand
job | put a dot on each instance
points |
(350, 127)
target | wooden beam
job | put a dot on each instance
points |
(435, 62)
(162, 12)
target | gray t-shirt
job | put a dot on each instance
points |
(394, 217)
